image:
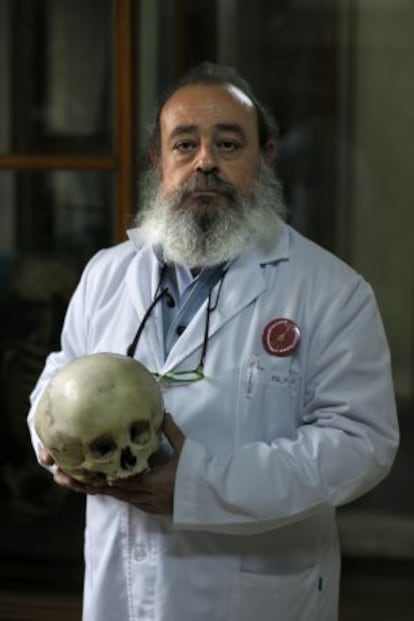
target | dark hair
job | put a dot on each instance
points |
(212, 74)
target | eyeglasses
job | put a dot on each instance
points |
(178, 378)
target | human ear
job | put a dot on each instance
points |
(269, 151)
(153, 156)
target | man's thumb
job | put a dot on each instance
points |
(173, 433)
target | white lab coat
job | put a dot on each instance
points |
(273, 445)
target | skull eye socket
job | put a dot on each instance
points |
(140, 432)
(102, 447)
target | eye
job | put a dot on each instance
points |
(140, 432)
(102, 447)
(228, 145)
(185, 146)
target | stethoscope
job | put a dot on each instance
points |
(162, 292)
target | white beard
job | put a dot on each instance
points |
(193, 240)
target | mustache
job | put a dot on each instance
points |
(207, 181)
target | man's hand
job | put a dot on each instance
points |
(46, 458)
(152, 492)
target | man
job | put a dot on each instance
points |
(276, 373)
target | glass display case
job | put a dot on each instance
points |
(58, 86)
(66, 190)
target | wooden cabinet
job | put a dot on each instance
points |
(67, 188)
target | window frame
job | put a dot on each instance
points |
(121, 162)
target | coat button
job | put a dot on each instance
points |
(180, 329)
(139, 553)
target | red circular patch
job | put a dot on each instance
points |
(281, 337)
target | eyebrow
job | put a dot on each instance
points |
(183, 129)
(234, 128)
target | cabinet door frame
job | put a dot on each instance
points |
(121, 162)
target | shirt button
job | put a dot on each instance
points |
(180, 329)
(170, 302)
(139, 553)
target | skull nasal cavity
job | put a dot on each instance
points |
(128, 460)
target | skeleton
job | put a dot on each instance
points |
(32, 312)
(101, 415)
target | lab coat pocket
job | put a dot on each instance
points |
(291, 597)
(267, 400)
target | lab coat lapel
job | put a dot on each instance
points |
(242, 283)
(142, 280)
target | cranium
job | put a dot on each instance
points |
(101, 414)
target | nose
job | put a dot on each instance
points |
(128, 459)
(206, 160)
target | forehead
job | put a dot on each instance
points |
(208, 106)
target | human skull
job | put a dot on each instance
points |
(101, 415)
